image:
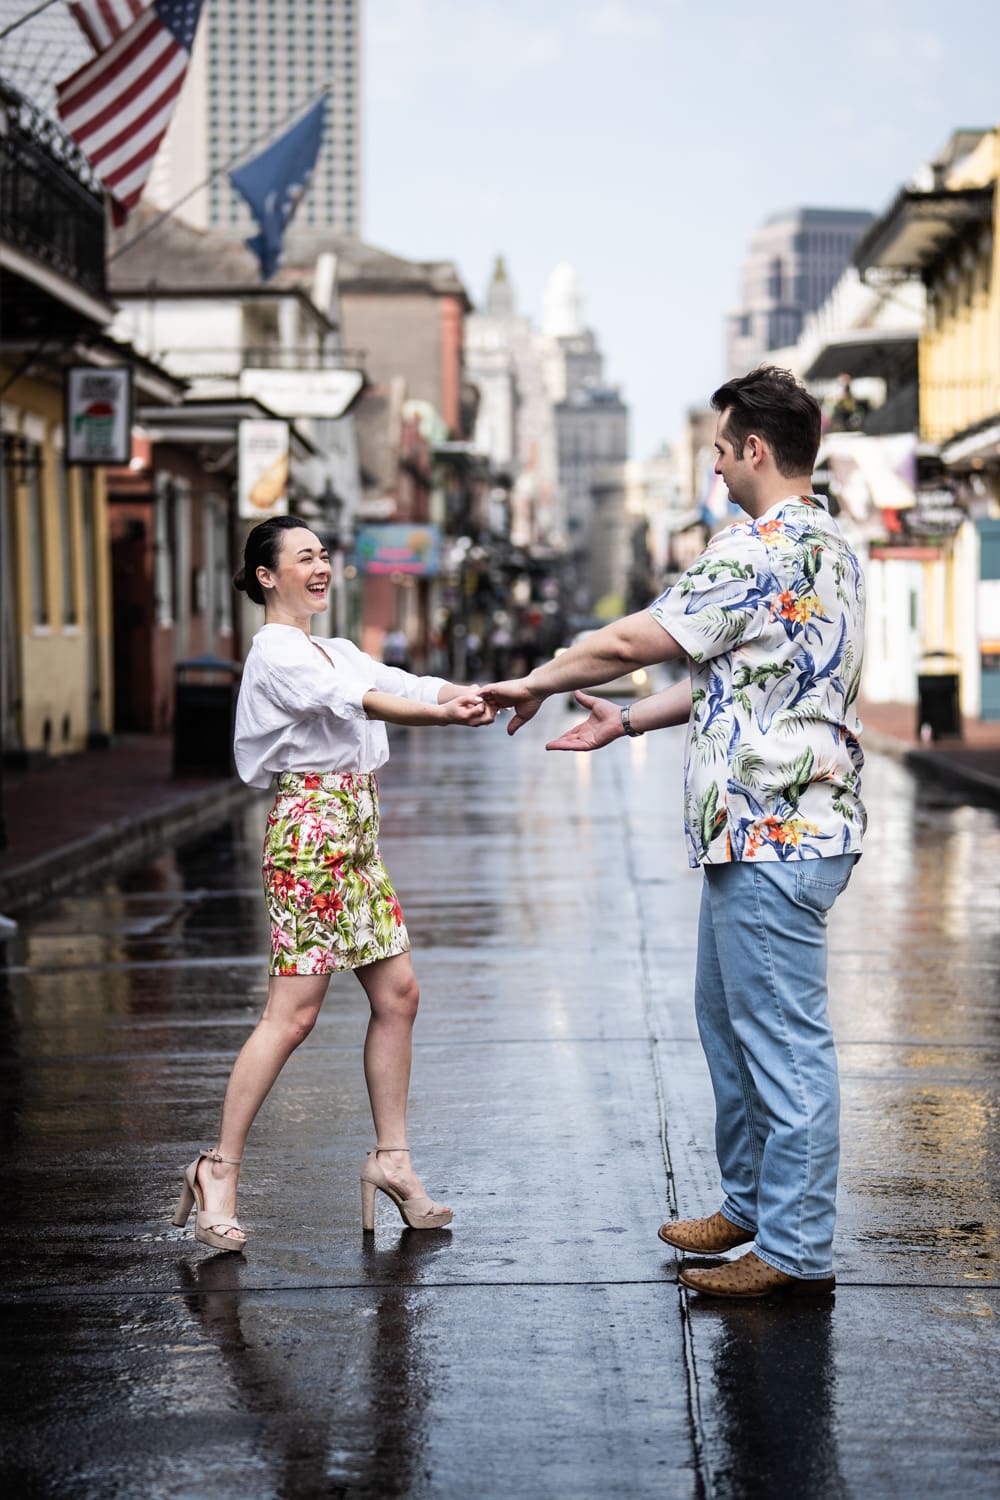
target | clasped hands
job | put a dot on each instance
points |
(603, 725)
(474, 706)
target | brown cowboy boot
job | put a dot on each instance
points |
(711, 1236)
(752, 1277)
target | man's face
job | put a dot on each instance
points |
(734, 472)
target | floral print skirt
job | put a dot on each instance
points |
(329, 897)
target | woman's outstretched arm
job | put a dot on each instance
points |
(461, 706)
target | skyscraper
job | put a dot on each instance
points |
(794, 260)
(257, 64)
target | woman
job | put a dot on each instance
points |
(312, 712)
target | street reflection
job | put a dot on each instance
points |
(773, 1398)
(348, 1406)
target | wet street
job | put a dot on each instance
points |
(542, 1347)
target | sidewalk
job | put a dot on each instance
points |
(90, 811)
(971, 764)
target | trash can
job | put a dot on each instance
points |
(938, 697)
(204, 709)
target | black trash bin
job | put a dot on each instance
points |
(205, 690)
(938, 697)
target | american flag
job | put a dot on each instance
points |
(103, 21)
(117, 107)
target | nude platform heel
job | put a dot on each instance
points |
(207, 1223)
(415, 1212)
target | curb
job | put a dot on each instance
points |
(932, 765)
(116, 843)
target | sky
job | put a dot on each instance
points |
(644, 141)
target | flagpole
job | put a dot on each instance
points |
(29, 17)
(168, 213)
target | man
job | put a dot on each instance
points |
(771, 617)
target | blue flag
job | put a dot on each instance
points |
(274, 182)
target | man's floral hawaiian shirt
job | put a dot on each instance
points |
(772, 616)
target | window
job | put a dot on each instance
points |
(163, 602)
(36, 534)
(67, 549)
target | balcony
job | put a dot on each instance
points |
(51, 226)
(920, 228)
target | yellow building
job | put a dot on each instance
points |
(56, 586)
(55, 594)
(947, 231)
(56, 673)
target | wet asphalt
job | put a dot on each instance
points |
(542, 1347)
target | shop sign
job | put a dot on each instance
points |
(935, 513)
(399, 548)
(303, 393)
(933, 520)
(263, 481)
(98, 415)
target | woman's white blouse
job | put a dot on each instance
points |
(299, 712)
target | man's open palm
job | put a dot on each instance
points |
(603, 726)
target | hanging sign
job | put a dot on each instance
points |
(263, 484)
(303, 393)
(404, 547)
(98, 415)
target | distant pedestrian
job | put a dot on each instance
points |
(311, 713)
(396, 649)
(771, 617)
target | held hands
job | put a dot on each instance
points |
(513, 694)
(468, 707)
(603, 726)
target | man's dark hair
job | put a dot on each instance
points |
(771, 403)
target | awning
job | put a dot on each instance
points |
(888, 353)
(981, 442)
(211, 420)
(870, 475)
(918, 227)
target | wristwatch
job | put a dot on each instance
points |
(632, 733)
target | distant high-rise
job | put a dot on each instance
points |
(794, 261)
(255, 64)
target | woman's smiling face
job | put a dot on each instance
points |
(300, 585)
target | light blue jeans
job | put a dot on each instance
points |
(761, 1003)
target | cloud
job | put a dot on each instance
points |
(905, 52)
(623, 21)
(409, 40)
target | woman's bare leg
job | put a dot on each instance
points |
(293, 1003)
(394, 995)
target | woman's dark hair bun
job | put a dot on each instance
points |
(240, 580)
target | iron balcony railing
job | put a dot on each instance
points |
(51, 204)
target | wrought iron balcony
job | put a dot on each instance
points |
(51, 204)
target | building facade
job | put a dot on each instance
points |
(592, 438)
(794, 260)
(515, 419)
(55, 604)
(945, 229)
